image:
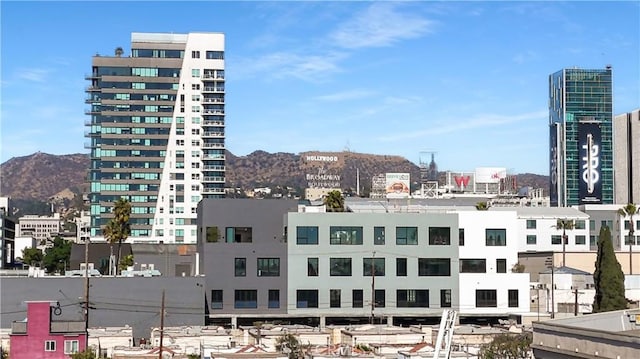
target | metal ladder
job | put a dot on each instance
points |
(445, 333)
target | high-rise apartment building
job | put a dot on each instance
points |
(580, 137)
(156, 133)
(626, 151)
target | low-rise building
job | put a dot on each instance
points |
(42, 335)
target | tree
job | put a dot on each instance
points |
(57, 257)
(32, 256)
(119, 51)
(564, 225)
(126, 261)
(608, 277)
(482, 206)
(630, 210)
(334, 201)
(289, 344)
(85, 354)
(507, 346)
(117, 230)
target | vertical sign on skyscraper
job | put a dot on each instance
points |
(589, 142)
(553, 165)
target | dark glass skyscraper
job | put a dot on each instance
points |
(580, 137)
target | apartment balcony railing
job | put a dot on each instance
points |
(213, 179)
(213, 76)
(213, 168)
(213, 100)
(91, 76)
(213, 157)
(213, 112)
(68, 327)
(212, 123)
(92, 88)
(213, 190)
(19, 328)
(213, 145)
(213, 134)
(213, 89)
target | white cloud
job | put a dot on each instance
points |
(35, 74)
(381, 24)
(479, 122)
(346, 95)
(289, 64)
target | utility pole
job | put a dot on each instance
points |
(161, 326)
(373, 287)
(575, 304)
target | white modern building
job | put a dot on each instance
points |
(157, 133)
(41, 228)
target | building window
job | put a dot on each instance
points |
(445, 298)
(379, 298)
(501, 265)
(473, 266)
(593, 241)
(412, 298)
(312, 267)
(513, 298)
(401, 267)
(532, 239)
(70, 346)
(461, 237)
(334, 298)
(486, 298)
(246, 298)
(581, 239)
(439, 236)
(406, 235)
(606, 223)
(580, 224)
(496, 237)
(241, 267)
(306, 235)
(195, 54)
(215, 55)
(216, 299)
(378, 235)
(268, 267)
(434, 267)
(556, 239)
(357, 299)
(195, 73)
(239, 234)
(345, 235)
(307, 298)
(377, 269)
(274, 298)
(531, 224)
(50, 346)
(340, 267)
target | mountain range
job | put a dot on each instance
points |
(41, 176)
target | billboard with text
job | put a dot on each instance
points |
(398, 185)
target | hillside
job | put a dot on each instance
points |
(40, 176)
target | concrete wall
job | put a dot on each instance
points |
(266, 218)
(114, 301)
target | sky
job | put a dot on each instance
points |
(466, 81)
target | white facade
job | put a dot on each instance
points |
(39, 227)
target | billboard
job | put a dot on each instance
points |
(490, 174)
(398, 185)
(553, 164)
(322, 169)
(589, 141)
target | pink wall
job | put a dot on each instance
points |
(32, 345)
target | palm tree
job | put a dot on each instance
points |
(482, 206)
(119, 51)
(630, 210)
(117, 229)
(334, 201)
(564, 225)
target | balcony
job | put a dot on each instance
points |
(213, 134)
(213, 168)
(213, 145)
(217, 76)
(67, 327)
(212, 157)
(19, 328)
(92, 89)
(212, 123)
(91, 112)
(217, 89)
(213, 112)
(91, 76)
(213, 179)
(213, 100)
(213, 190)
